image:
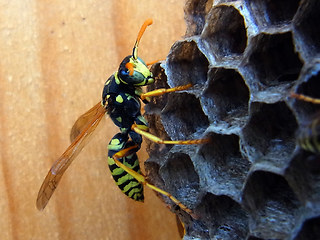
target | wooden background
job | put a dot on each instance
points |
(55, 58)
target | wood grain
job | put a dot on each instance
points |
(55, 57)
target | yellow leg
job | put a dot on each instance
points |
(142, 179)
(123, 153)
(305, 98)
(153, 62)
(142, 130)
(155, 139)
(161, 91)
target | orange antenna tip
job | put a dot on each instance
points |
(146, 23)
(149, 21)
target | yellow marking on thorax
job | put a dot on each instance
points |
(119, 119)
(116, 78)
(119, 99)
(115, 141)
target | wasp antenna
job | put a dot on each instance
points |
(142, 29)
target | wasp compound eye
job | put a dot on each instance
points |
(124, 73)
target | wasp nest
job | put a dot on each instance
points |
(252, 180)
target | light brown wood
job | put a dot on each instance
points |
(55, 57)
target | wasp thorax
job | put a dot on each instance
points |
(134, 72)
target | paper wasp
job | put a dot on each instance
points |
(308, 136)
(121, 101)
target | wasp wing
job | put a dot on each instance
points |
(83, 121)
(50, 183)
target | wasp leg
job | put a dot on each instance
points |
(305, 98)
(161, 91)
(155, 139)
(153, 62)
(140, 178)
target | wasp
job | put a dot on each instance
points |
(308, 136)
(121, 101)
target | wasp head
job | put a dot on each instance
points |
(134, 71)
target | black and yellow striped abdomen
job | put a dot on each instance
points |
(309, 136)
(127, 184)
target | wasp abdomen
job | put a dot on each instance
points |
(127, 183)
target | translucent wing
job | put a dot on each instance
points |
(83, 121)
(86, 124)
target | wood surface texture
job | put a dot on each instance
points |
(55, 58)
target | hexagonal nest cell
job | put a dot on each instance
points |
(226, 168)
(225, 100)
(269, 136)
(224, 34)
(307, 35)
(272, 12)
(273, 207)
(183, 116)
(179, 169)
(186, 64)
(227, 219)
(306, 182)
(252, 180)
(272, 60)
(195, 14)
